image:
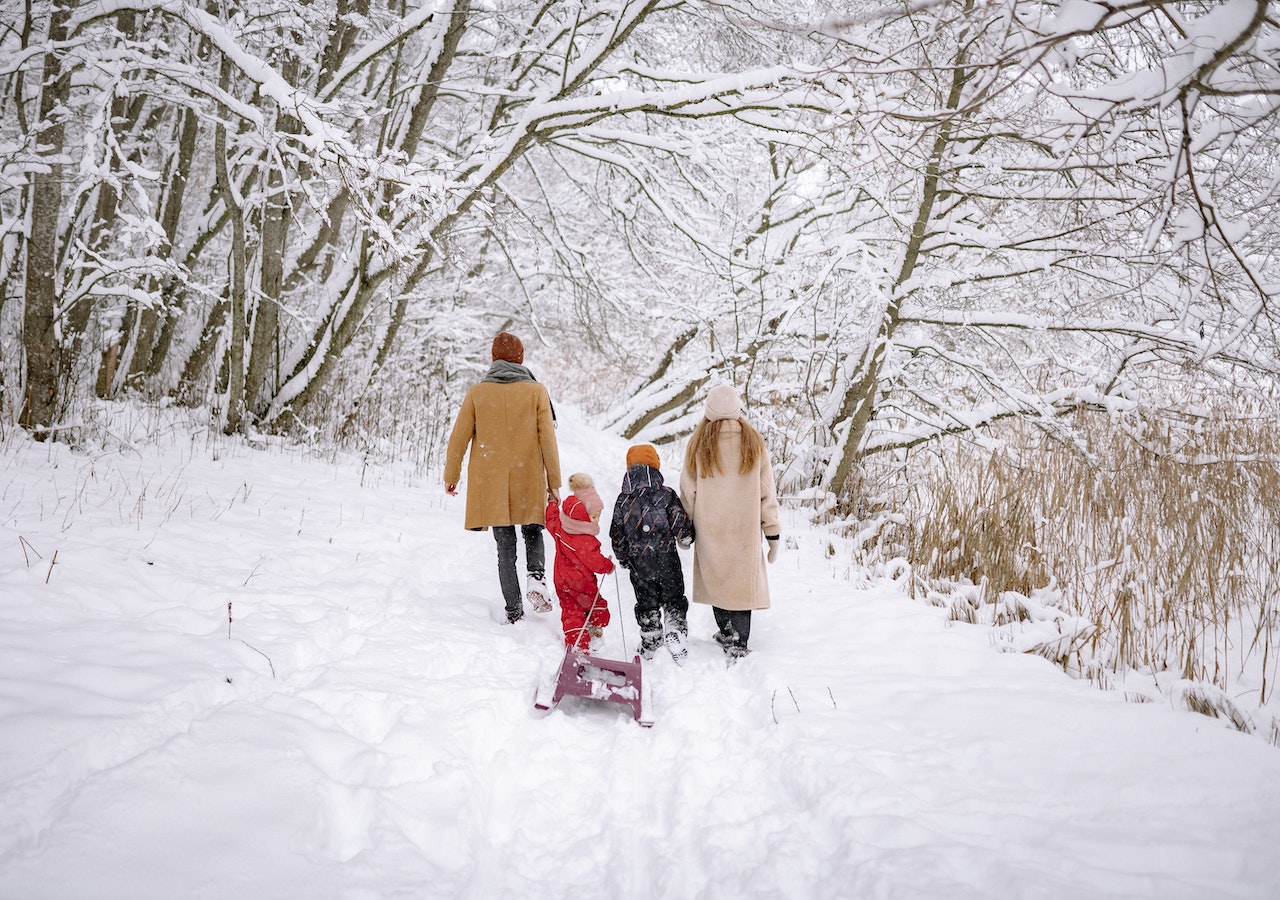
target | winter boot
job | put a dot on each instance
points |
(675, 644)
(677, 634)
(650, 622)
(650, 641)
(537, 595)
(735, 629)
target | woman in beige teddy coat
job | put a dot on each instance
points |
(728, 491)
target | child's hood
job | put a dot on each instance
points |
(641, 476)
(576, 509)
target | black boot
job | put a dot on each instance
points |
(650, 641)
(735, 629)
(650, 622)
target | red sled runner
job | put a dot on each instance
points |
(610, 680)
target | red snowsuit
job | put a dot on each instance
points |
(578, 560)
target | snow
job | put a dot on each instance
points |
(364, 727)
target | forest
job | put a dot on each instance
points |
(998, 280)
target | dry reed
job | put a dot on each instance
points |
(1163, 539)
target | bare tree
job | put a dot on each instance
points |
(997, 217)
(1006, 212)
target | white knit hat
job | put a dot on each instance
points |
(723, 403)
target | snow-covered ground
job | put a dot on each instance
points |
(364, 727)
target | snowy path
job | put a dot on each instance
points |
(865, 750)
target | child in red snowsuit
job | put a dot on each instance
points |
(583, 611)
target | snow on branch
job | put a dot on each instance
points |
(778, 88)
(320, 136)
(644, 181)
(952, 422)
(362, 57)
(1185, 343)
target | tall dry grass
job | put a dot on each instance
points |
(1165, 540)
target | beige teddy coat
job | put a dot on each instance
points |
(730, 512)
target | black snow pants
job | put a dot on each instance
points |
(659, 585)
(735, 629)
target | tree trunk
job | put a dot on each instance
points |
(40, 403)
(857, 407)
(170, 218)
(106, 205)
(199, 360)
(236, 270)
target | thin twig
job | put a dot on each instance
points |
(772, 711)
(53, 562)
(25, 544)
(263, 655)
(793, 698)
(255, 571)
(228, 620)
(833, 697)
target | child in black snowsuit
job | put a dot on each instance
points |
(648, 523)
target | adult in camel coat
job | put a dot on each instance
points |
(514, 467)
(727, 489)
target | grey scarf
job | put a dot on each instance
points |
(503, 372)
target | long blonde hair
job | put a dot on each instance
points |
(703, 453)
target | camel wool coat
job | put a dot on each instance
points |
(730, 512)
(514, 458)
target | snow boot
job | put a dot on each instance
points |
(734, 630)
(676, 645)
(732, 644)
(677, 636)
(734, 654)
(537, 595)
(649, 643)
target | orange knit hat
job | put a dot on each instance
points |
(643, 453)
(506, 346)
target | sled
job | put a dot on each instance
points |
(608, 680)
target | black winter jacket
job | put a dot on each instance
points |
(648, 519)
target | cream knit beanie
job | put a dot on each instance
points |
(723, 403)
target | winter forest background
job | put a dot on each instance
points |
(998, 280)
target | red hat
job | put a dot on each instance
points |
(643, 453)
(507, 346)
